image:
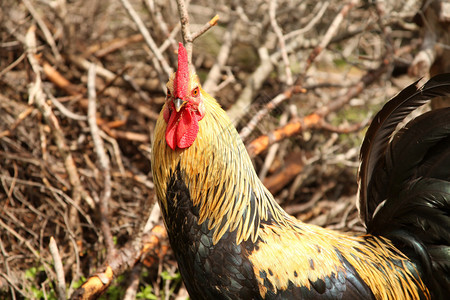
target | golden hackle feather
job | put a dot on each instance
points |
(217, 152)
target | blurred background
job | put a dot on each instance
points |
(274, 65)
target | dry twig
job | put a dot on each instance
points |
(188, 37)
(281, 41)
(253, 84)
(325, 40)
(210, 84)
(315, 119)
(37, 97)
(125, 258)
(60, 279)
(44, 28)
(160, 62)
(103, 164)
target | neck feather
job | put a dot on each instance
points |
(220, 176)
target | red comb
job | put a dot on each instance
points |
(182, 75)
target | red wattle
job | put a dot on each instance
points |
(182, 129)
(187, 129)
(171, 136)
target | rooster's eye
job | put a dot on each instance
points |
(195, 92)
(168, 93)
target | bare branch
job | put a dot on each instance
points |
(65, 111)
(162, 24)
(37, 97)
(245, 132)
(185, 28)
(315, 119)
(206, 27)
(60, 279)
(281, 40)
(133, 283)
(13, 65)
(44, 28)
(103, 163)
(126, 257)
(330, 33)
(160, 60)
(253, 84)
(21, 239)
(188, 37)
(210, 84)
(310, 25)
(22, 116)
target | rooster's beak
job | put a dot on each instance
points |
(178, 102)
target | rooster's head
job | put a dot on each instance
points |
(184, 105)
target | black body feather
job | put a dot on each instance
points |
(383, 126)
(225, 271)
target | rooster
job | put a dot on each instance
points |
(233, 241)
